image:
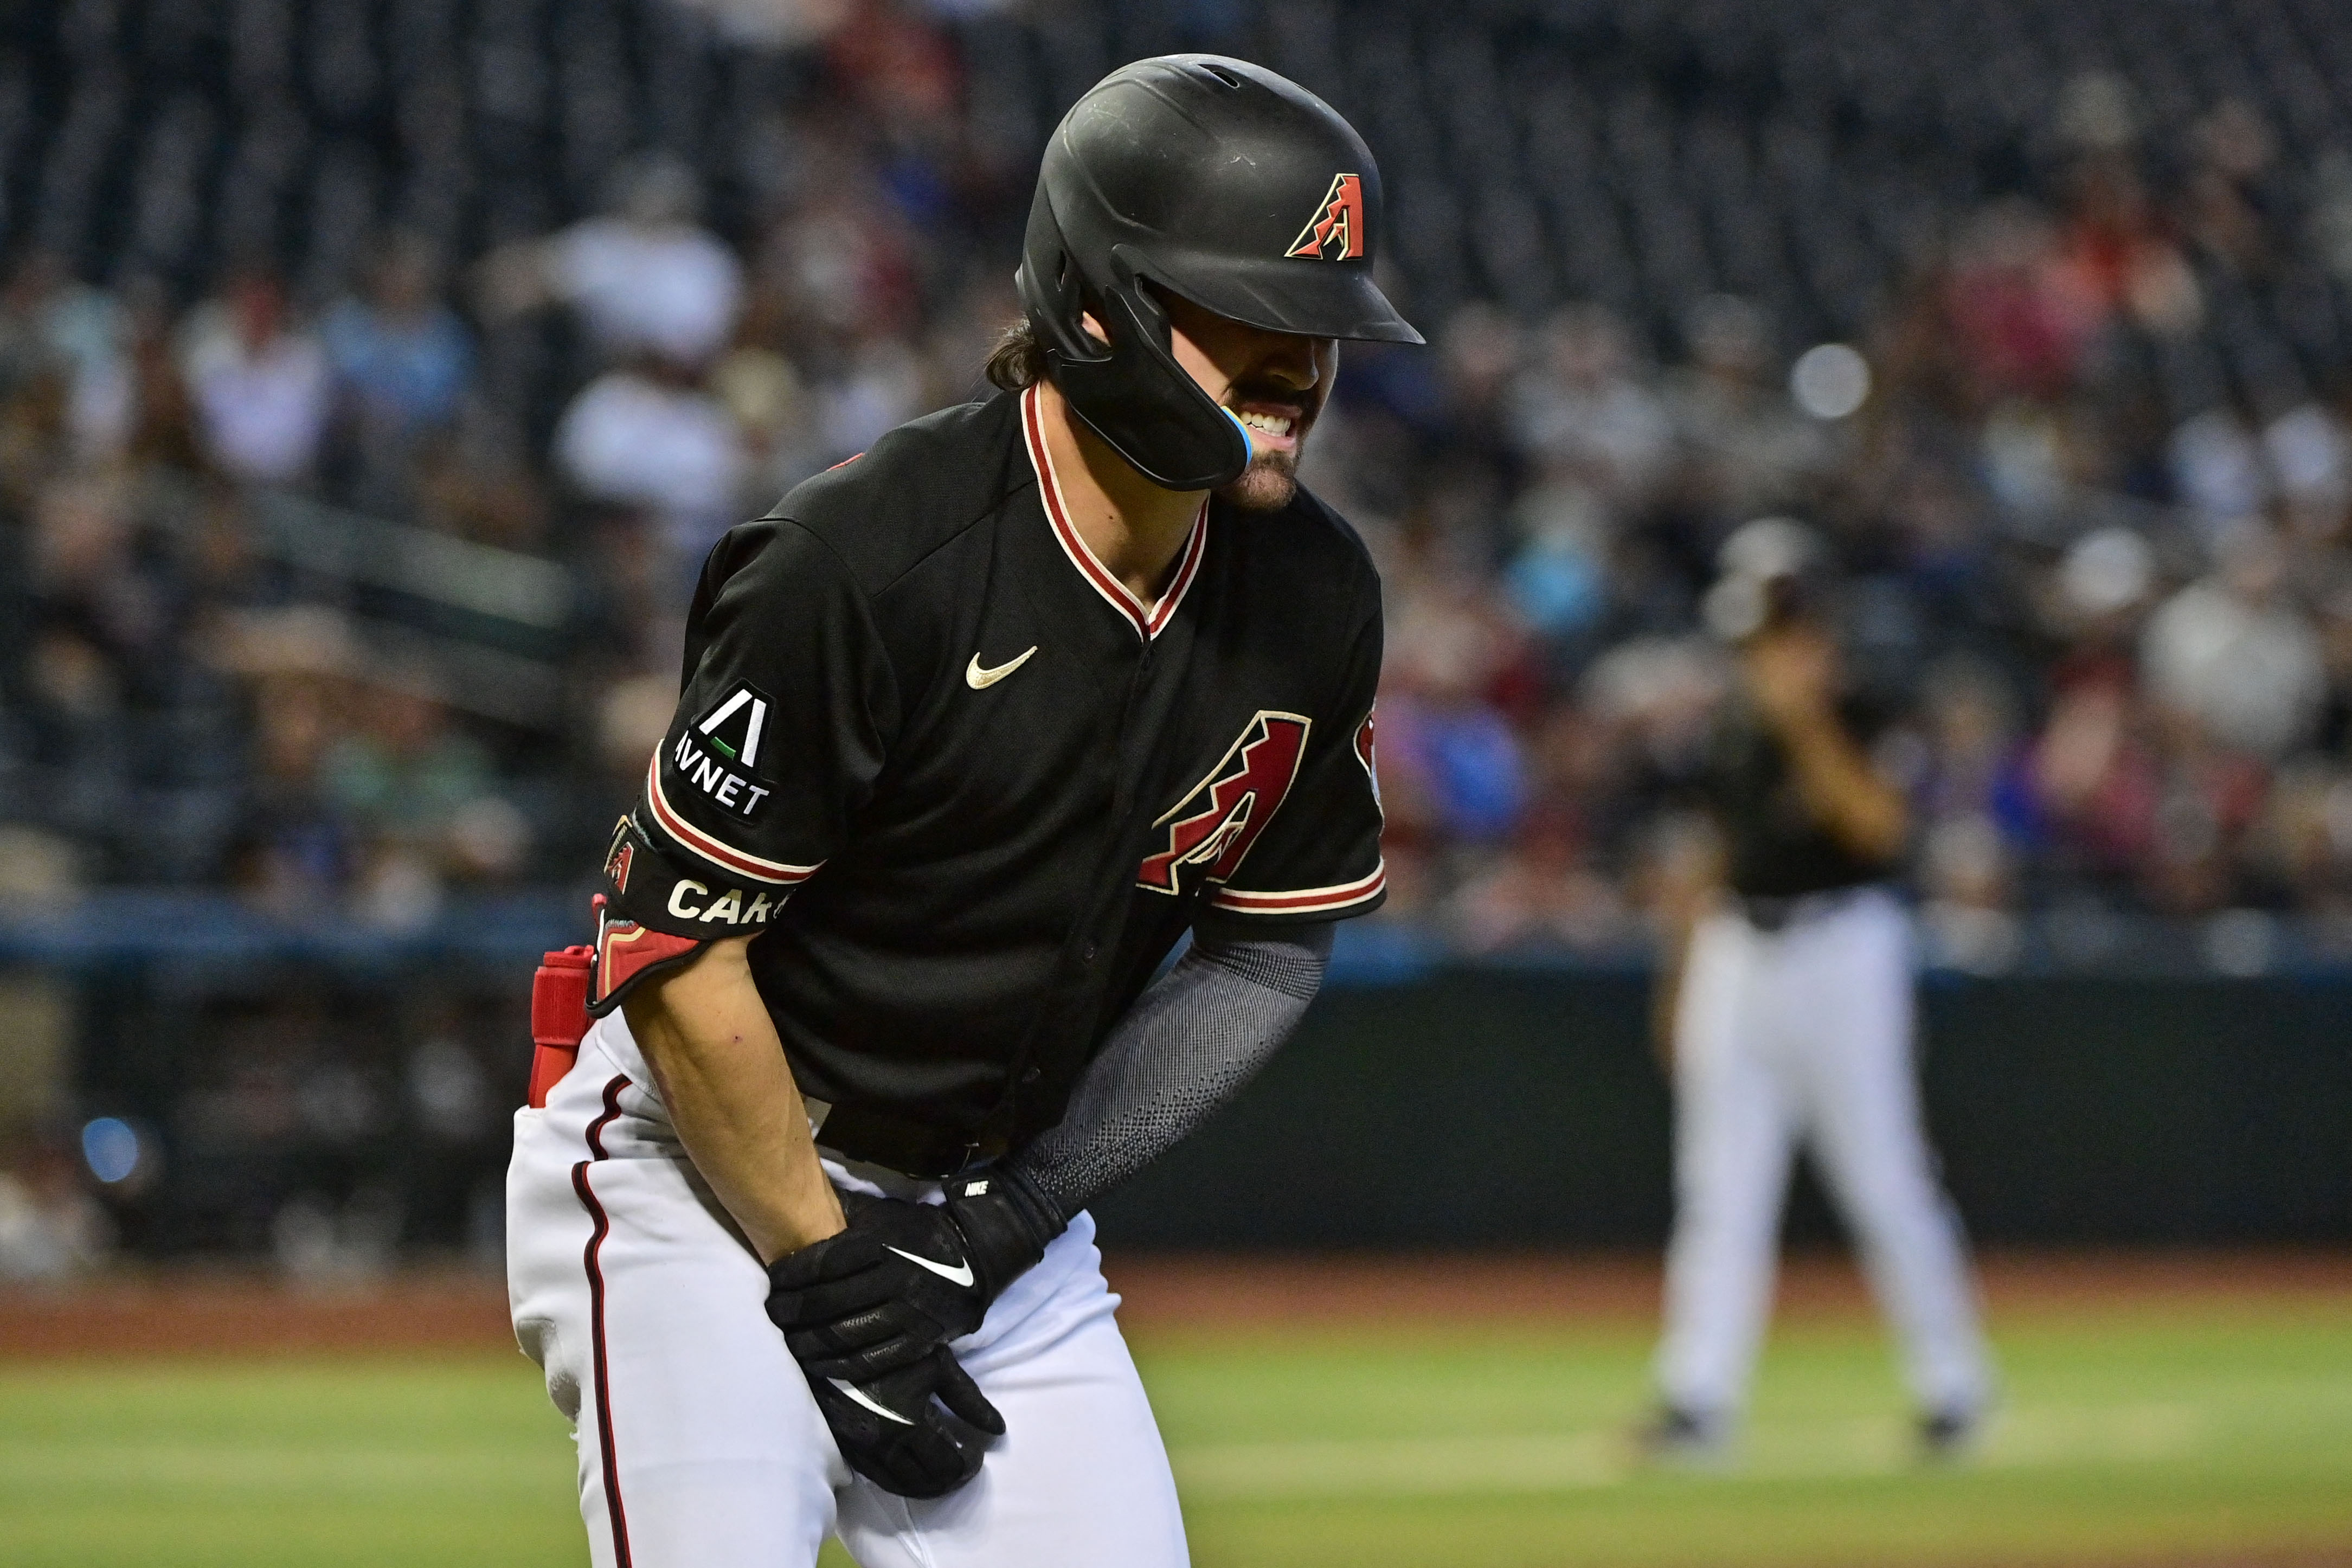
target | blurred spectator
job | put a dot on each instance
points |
(1454, 655)
(1975, 767)
(2223, 206)
(651, 437)
(645, 277)
(2310, 456)
(2218, 468)
(900, 67)
(1967, 897)
(1559, 576)
(424, 797)
(296, 855)
(2096, 771)
(50, 1226)
(2115, 257)
(1747, 448)
(1583, 415)
(86, 334)
(2232, 655)
(2021, 328)
(1478, 353)
(1465, 762)
(260, 383)
(2103, 584)
(400, 357)
(764, 395)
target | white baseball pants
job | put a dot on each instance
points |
(699, 1444)
(1805, 1033)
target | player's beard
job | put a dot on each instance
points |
(1271, 480)
(1266, 484)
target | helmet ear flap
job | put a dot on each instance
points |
(1130, 392)
(1146, 406)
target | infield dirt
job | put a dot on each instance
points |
(215, 1312)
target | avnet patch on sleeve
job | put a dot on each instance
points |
(718, 753)
(779, 732)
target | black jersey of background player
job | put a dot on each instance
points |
(1774, 845)
(969, 791)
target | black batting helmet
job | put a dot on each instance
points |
(1219, 181)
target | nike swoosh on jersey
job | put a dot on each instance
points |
(962, 1275)
(979, 679)
(882, 1410)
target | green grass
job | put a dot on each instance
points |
(2132, 1435)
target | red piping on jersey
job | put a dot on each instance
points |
(775, 873)
(1147, 618)
(590, 1259)
(1309, 901)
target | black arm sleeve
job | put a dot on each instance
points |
(1187, 1047)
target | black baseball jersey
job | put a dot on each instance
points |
(969, 791)
(1775, 847)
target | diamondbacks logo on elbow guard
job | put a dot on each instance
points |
(621, 857)
(1213, 827)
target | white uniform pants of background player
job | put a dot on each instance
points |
(1805, 1033)
(700, 1444)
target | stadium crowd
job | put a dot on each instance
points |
(2087, 498)
(2122, 601)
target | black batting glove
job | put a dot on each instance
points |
(920, 1431)
(905, 1277)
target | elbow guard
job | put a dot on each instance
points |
(626, 954)
(645, 883)
(645, 918)
(662, 904)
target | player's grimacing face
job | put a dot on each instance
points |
(1276, 383)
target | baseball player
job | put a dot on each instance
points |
(1792, 1021)
(974, 728)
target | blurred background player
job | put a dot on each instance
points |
(1790, 1022)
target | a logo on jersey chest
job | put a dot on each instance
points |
(1213, 827)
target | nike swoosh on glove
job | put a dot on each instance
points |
(904, 1278)
(920, 1431)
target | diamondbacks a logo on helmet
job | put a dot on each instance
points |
(1338, 221)
(1214, 827)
